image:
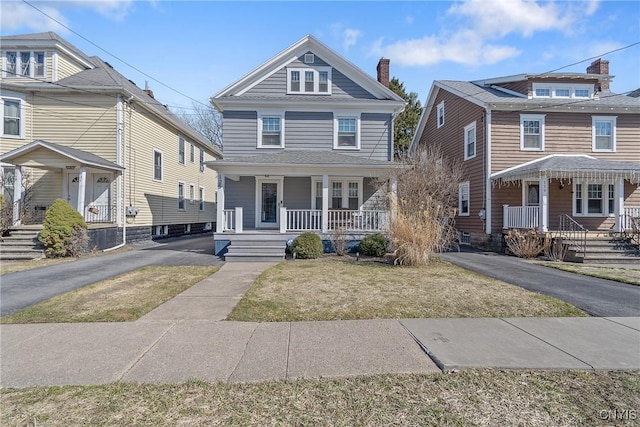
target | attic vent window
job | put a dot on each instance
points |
(309, 58)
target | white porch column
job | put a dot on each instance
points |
(544, 204)
(283, 219)
(220, 210)
(239, 220)
(505, 217)
(393, 184)
(618, 205)
(17, 195)
(325, 203)
(82, 185)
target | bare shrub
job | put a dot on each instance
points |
(555, 248)
(338, 238)
(526, 243)
(426, 205)
(78, 242)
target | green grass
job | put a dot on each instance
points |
(336, 288)
(119, 299)
(624, 275)
(468, 398)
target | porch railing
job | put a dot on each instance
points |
(304, 219)
(628, 214)
(228, 220)
(520, 217)
(99, 213)
(358, 220)
(573, 233)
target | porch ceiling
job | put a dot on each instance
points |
(301, 163)
(569, 167)
(31, 154)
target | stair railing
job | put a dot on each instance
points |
(573, 231)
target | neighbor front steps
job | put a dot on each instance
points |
(22, 244)
(604, 249)
(252, 247)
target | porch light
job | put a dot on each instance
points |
(71, 167)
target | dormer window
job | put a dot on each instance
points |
(543, 92)
(562, 90)
(563, 93)
(24, 64)
(317, 81)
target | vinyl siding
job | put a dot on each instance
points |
(46, 186)
(308, 130)
(67, 66)
(242, 193)
(297, 192)
(240, 130)
(375, 138)
(459, 113)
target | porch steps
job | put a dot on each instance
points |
(256, 248)
(606, 249)
(22, 244)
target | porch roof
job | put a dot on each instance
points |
(560, 166)
(300, 162)
(80, 156)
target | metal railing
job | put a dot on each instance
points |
(574, 233)
(99, 213)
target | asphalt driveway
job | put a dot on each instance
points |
(25, 288)
(598, 297)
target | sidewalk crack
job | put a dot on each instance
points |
(244, 351)
(286, 371)
(548, 343)
(144, 353)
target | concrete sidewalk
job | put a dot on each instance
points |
(184, 339)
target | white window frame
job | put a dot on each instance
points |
(467, 128)
(461, 192)
(606, 212)
(202, 159)
(263, 114)
(337, 115)
(316, 80)
(182, 150)
(571, 87)
(182, 200)
(19, 64)
(35, 64)
(345, 181)
(609, 119)
(532, 117)
(156, 151)
(21, 118)
(201, 198)
(440, 113)
(192, 153)
(192, 193)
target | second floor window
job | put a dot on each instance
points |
(12, 115)
(603, 130)
(181, 150)
(157, 165)
(347, 133)
(470, 141)
(192, 153)
(201, 160)
(271, 131)
(441, 114)
(532, 132)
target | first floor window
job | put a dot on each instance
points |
(603, 129)
(12, 116)
(344, 193)
(192, 193)
(353, 196)
(318, 197)
(201, 198)
(470, 141)
(463, 199)
(347, 133)
(157, 165)
(181, 204)
(336, 195)
(594, 198)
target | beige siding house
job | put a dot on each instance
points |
(75, 128)
(539, 151)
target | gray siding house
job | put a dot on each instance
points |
(306, 134)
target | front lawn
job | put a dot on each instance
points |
(334, 288)
(624, 275)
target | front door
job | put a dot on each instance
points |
(269, 199)
(101, 196)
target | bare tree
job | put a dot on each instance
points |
(205, 119)
(426, 206)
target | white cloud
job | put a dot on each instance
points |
(351, 36)
(113, 9)
(18, 16)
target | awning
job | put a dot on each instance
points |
(561, 166)
(22, 156)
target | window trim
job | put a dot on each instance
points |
(156, 151)
(467, 128)
(182, 200)
(202, 159)
(192, 153)
(553, 87)
(192, 193)
(345, 181)
(611, 119)
(337, 115)
(439, 113)
(532, 117)
(606, 213)
(316, 80)
(263, 114)
(182, 150)
(201, 203)
(461, 188)
(22, 111)
(32, 64)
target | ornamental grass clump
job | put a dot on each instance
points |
(64, 231)
(307, 246)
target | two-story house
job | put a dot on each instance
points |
(546, 151)
(75, 128)
(306, 134)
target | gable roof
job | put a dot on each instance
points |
(80, 156)
(302, 46)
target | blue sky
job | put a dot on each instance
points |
(199, 47)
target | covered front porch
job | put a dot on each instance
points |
(37, 173)
(568, 190)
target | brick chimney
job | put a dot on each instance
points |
(600, 67)
(147, 90)
(383, 71)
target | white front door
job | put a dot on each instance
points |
(72, 189)
(268, 202)
(101, 196)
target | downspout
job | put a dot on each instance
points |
(487, 147)
(120, 180)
